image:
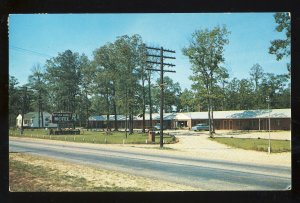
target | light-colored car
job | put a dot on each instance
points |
(200, 126)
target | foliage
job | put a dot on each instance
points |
(205, 53)
(282, 47)
(63, 79)
(188, 101)
(14, 100)
(114, 81)
(171, 95)
(37, 83)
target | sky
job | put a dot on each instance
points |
(34, 38)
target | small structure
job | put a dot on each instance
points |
(31, 120)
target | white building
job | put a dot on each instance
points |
(31, 120)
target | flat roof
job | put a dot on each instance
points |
(238, 114)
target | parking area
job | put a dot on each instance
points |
(275, 135)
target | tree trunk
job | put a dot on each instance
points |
(42, 115)
(39, 109)
(209, 118)
(87, 111)
(115, 109)
(143, 92)
(107, 106)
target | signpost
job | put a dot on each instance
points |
(65, 123)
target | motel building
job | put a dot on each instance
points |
(280, 119)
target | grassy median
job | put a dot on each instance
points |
(277, 146)
(100, 137)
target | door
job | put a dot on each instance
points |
(230, 125)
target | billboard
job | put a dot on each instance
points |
(65, 117)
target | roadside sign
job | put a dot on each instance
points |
(65, 117)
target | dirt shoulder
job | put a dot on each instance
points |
(34, 173)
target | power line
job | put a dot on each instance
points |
(29, 51)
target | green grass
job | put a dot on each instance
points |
(99, 137)
(277, 146)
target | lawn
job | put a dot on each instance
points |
(256, 144)
(99, 137)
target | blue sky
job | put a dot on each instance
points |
(41, 36)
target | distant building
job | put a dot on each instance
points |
(31, 120)
(280, 119)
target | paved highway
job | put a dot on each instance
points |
(201, 173)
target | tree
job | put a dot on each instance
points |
(256, 76)
(282, 47)
(205, 53)
(187, 101)
(87, 71)
(14, 100)
(36, 82)
(129, 49)
(274, 86)
(245, 96)
(172, 92)
(106, 77)
(256, 73)
(63, 79)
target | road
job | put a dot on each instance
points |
(197, 172)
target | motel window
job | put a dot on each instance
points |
(278, 122)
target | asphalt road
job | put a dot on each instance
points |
(201, 173)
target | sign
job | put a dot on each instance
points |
(63, 117)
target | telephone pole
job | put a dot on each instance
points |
(162, 64)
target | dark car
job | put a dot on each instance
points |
(200, 126)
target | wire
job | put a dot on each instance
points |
(29, 51)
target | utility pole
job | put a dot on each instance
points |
(162, 64)
(150, 100)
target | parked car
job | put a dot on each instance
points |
(157, 127)
(200, 126)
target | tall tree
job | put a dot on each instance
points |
(14, 100)
(129, 57)
(256, 73)
(256, 76)
(205, 53)
(87, 71)
(282, 47)
(63, 79)
(36, 82)
(106, 76)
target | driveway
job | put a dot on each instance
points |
(198, 144)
